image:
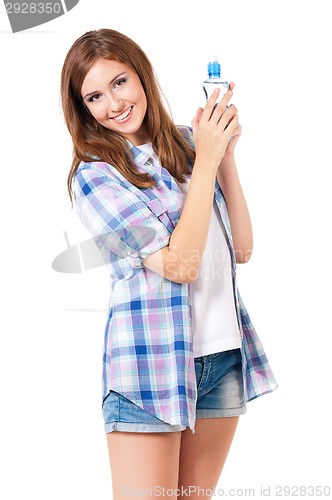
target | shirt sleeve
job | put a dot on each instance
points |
(118, 220)
(187, 133)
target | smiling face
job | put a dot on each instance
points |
(114, 95)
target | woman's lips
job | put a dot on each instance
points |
(123, 117)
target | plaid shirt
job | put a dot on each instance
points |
(148, 347)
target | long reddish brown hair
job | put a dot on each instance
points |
(91, 138)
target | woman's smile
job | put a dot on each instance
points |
(124, 117)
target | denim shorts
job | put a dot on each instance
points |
(219, 394)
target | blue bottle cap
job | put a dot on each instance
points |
(214, 67)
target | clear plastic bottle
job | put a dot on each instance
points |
(215, 80)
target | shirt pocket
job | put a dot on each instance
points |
(161, 211)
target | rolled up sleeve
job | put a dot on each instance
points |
(118, 220)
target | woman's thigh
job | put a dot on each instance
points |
(220, 403)
(144, 461)
(203, 455)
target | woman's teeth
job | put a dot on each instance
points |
(123, 116)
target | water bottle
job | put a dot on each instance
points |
(215, 80)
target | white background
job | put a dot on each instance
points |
(278, 53)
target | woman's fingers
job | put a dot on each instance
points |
(208, 110)
(199, 113)
(237, 131)
(215, 109)
(197, 116)
(220, 107)
(231, 86)
(227, 116)
(195, 120)
(229, 130)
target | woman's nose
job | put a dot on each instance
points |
(115, 104)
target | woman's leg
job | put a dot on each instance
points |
(203, 454)
(144, 460)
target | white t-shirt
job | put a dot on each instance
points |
(214, 320)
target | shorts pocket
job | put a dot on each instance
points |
(110, 407)
(107, 395)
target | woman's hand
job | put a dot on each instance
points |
(213, 127)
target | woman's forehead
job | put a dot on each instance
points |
(103, 71)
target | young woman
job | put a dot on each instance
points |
(166, 209)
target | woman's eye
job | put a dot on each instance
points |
(94, 97)
(120, 82)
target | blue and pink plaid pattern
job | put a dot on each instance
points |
(148, 350)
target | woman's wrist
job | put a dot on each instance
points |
(208, 167)
(227, 167)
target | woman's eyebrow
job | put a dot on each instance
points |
(113, 80)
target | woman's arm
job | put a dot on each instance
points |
(229, 182)
(180, 260)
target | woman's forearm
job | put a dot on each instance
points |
(189, 237)
(229, 182)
